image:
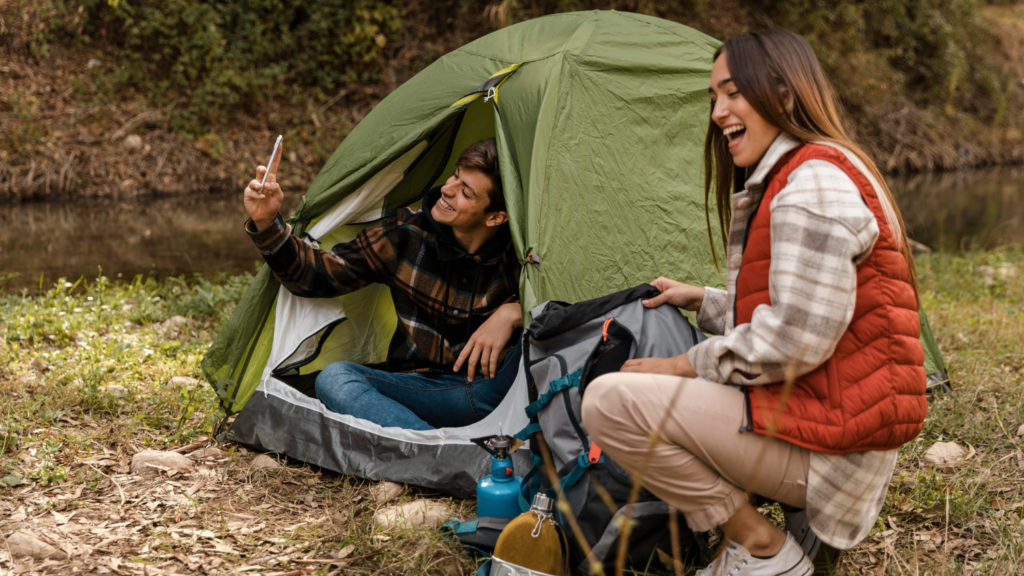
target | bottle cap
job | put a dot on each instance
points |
(542, 503)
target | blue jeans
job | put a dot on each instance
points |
(414, 400)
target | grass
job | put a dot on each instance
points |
(969, 519)
(94, 372)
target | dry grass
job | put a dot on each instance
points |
(95, 373)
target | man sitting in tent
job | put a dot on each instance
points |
(454, 278)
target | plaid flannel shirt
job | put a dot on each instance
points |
(820, 229)
(442, 294)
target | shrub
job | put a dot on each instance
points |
(205, 58)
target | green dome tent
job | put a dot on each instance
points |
(600, 119)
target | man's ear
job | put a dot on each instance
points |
(496, 218)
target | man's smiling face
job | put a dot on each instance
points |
(464, 200)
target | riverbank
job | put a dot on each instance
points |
(69, 130)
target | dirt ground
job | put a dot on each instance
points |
(69, 143)
(214, 509)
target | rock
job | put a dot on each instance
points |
(116, 390)
(151, 462)
(133, 142)
(264, 461)
(175, 325)
(184, 382)
(23, 543)
(384, 492)
(945, 455)
(176, 321)
(418, 513)
(208, 453)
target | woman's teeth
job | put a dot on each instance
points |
(732, 130)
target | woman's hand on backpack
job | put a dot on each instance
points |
(674, 366)
(675, 293)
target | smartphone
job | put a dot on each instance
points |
(273, 156)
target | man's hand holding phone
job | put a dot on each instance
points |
(263, 195)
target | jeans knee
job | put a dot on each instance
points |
(337, 376)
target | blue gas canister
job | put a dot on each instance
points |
(497, 494)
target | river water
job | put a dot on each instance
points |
(42, 242)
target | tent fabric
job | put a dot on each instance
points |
(600, 119)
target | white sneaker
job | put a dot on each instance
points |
(800, 528)
(735, 560)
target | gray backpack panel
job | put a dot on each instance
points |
(565, 347)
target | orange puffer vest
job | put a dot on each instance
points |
(870, 394)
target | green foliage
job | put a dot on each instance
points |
(204, 58)
(209, 60)
(124, 357)
(25, 131)
(937, 50)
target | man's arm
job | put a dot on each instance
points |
(484, 347)
(305, 269)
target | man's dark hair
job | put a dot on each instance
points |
(483, 156)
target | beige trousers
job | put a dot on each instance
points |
(701, 464)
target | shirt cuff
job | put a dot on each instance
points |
(271, 238)
(702, 360)
(712, 311)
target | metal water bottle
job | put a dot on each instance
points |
(497, 494)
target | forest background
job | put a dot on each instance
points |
(134, 97)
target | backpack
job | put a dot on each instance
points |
(565, 347)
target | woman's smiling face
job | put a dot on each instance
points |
(749, 134)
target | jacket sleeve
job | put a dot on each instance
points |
(306, 270)
(712, 313)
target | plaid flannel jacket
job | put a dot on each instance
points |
(442, 294)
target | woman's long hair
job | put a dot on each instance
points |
(780, 76)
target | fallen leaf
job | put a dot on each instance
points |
(102, 460)
(23, 543)
(61, 519)
(945, 455)
(19, 515)
(346, 551)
